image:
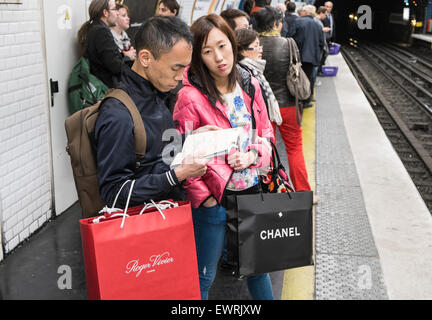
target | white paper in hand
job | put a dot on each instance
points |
(208, 144)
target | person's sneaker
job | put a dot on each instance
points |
(318, 83)
(307, 105)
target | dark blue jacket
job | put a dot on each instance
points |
(309, 39)
(115, 149)
(288, 26)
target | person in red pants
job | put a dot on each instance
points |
(291, 133)
(277, 55)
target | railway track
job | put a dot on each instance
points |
(401, 97)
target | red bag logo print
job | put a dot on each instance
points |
(154, 261)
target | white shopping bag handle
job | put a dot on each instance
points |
(161, 205)
(114, 209)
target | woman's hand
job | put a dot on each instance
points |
(210, 202)
(131, 53)
(206, 128)
(241, 160)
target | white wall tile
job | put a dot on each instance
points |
(25, 188)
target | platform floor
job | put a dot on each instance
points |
(373, 232)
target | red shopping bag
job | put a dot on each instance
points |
(148, 256)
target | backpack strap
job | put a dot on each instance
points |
(139, 129)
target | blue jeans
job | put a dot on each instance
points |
(210, 227)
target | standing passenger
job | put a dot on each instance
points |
(121, 38)
(329, 6)
(277, 54)
(217, 92)
(310, 41)
(168, 8)
(164, 46)
(288, 26)
(236, 19)
(97, 42)
(249, 56)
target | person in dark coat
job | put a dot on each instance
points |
(329, 6)
(288, 26)
(310, 41)
(276, 52)
(97, 43)
(164, 49)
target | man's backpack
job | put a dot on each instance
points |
(79, 128)
(84, 89)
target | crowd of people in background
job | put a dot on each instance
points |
(226, 70)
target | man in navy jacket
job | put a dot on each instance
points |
(310, 41)
(288, 27)
(164, 49)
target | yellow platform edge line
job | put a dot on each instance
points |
(299, 283)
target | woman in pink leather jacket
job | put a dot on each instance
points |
(216, 91)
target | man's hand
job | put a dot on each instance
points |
(206, 128)
(191, 167)
(326, 29)
(241, 160)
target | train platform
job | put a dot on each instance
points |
(373, 232)
(422, 36)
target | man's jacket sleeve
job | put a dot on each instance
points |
(116, 160)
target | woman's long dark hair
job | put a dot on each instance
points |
(96, 9)
(201, 29)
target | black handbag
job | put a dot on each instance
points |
(276, 180)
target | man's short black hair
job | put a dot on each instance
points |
(321, 9)
(160, 33)
(291, 6)
(260, 3)
(266, 17)
(230, 14)
(171, 5)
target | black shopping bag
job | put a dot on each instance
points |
(269, 231)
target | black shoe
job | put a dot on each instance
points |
(307, 105)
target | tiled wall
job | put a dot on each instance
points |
(25, 162)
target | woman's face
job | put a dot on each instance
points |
(217, 54)
(254, 50)
(123, 19)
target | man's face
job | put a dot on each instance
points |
(165, 72)
(241, 23)
(329, 7)
(111, 15)
(164, 11)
